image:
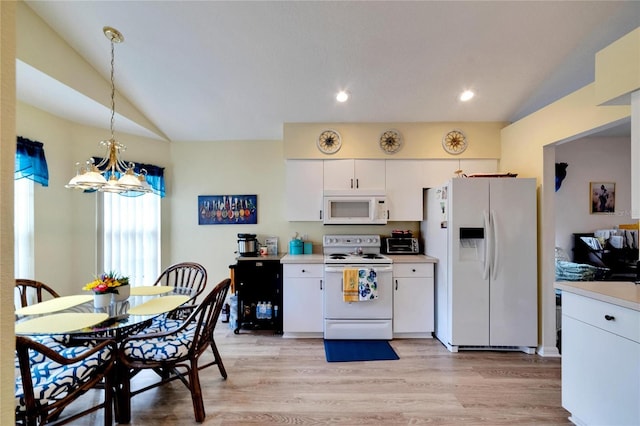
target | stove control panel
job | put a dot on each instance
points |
(351, 241)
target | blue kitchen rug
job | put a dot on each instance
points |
(358, 350)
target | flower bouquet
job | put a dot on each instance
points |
(108, 284)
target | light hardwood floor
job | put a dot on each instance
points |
(276, 381)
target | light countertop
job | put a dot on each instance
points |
(319, 258)
(259, 258)
(412, 258)
(303, 258)
(621, 293)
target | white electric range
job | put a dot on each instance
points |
(364, 319)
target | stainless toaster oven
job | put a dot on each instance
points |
(401, 245)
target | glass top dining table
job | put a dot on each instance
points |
(77, 316)
(79, 320)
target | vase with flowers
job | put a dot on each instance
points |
(108, 286)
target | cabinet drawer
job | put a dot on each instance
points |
(606, 316)
(303, 270)
(413, 270)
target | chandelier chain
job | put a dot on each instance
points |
(112, 173)
(113, 89)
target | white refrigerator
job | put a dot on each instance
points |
(483, 233)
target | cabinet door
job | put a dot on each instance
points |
(438, 172)
(600, 375)
(303, 191)
(303, 302)
(352, 174)
(413, 308)
(338, 175)
(404, 189)
(369, 175)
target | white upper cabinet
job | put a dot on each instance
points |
(404, 189)
(350, 174)
(438, 172)
(303, 193)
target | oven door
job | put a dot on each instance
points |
(336, 308)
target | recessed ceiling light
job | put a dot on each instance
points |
(466, 95)
(342, 96)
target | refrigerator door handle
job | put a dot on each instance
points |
(487, 249)
(495, 255)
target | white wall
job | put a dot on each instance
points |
(591, 159)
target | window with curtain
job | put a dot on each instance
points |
(129, 234)
(30, 167)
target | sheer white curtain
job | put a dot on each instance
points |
(129, 234)
(23, 234)
(23, 228)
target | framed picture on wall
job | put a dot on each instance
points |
(602, 196)
(227, 209)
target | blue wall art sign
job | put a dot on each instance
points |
(227, 209)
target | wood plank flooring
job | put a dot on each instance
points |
(276, 381)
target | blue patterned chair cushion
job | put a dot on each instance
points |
(161, 348)
(162, 324)
(51, 379)
(55, 342)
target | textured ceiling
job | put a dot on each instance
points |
(220, 70)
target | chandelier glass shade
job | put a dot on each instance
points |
(111, 173)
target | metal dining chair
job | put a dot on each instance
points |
(27, 287)
(49, 380)
(175, 354)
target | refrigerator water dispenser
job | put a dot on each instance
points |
(472, 244)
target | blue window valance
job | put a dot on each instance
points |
(155, 177)
(31, 162)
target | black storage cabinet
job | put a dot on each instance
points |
(257, 280)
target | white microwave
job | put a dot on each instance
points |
(355, 210)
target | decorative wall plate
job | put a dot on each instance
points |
(390, 141)
(329, 141)
(454, 142)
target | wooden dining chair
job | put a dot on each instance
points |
(175, 354)
(48, 380)
(188, 275)
(26, 288)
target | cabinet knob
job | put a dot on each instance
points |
(609, 317)
(413, 270)
(303, 271)
(396, 284)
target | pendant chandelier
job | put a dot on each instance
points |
(111, 174)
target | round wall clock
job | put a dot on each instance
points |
(329, 141)
(390, 141)
(454, 142)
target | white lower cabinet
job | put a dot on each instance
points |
(302, 300)
(413, 314)
(600, 362)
